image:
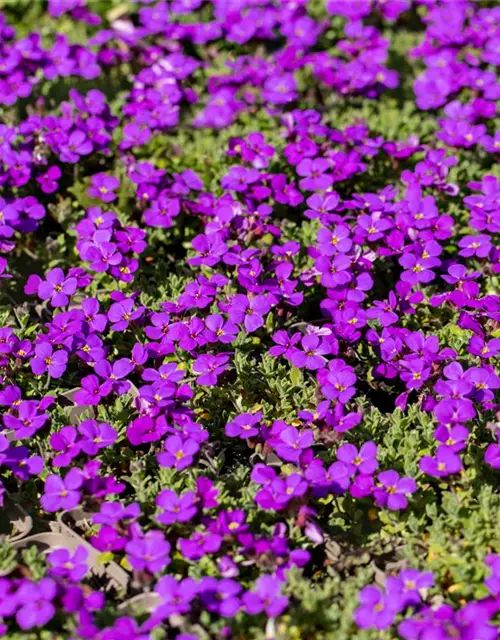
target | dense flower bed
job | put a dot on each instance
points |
(250, 319)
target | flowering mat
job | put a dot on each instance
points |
(249, 319)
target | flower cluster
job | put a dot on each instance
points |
(249, 318)
(378, 609)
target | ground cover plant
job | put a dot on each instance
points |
(249, 319)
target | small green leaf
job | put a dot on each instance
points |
(296, 376)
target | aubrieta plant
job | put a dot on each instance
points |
(250, 319)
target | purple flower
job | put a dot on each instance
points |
(96, 321)
(290, 443)
(335, 479)
(452, 410)
(108, 539)
(314, 348)
(66, 444)
(218, 330)
(493, 581)
(385, 311)
(391, 490)
(227, 568)
(479, 246)
(100, 253)
(167, 373)
(208, 367)
(453, 437)
(249, 310)
(211, 249)
(407, 585)
(103, 187)
(135, 135)
(92, 391)
(37, 608)
(61, 494)
(220, 596)
(314, 176)
(335, 272)
(492, 455)
(239, 178)
(266, 597)
(95, 436)
(178, 453)
(176, 508)
(122, 313)
(376, 610)
(255, 150)
(363, 461)
(415, 372)
(469, 622)
(280, 88)
(176, 596)
(145, 429)
(373, 226)
(28, 421)
(334, 241)
(48, 181)
(483, 381)
(77, 145)
(113, 512)
(7, 338)
(207, 493)
(115, 373)
(278, 493)
(231, 522)
(54, 362)
(320, 207)
(479, 347)
(57, 287)
(199, 545)
(244, 426)
(64, 565)
(18, 460)
(340, 380)
(417, 270)
(161, 212)
(285, 344)
(149, 552)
